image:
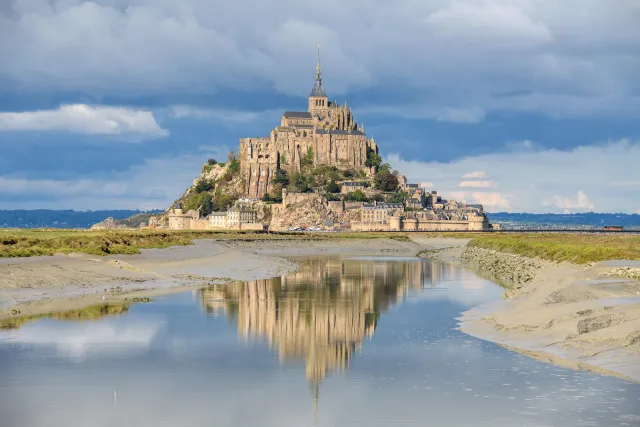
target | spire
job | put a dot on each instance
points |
(318, 90)
(318, 69)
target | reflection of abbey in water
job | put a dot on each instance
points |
(324, 312)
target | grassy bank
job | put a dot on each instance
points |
(575, 248)
(25, 243)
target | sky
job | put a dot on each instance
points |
(522, 105)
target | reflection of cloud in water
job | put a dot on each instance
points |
(79, 340)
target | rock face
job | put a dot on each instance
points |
(312, 211)
(136, 221)
(506, 269)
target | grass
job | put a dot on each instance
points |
(26, 243)
(95, 312)
(576, 248)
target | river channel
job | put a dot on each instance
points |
(343, 342)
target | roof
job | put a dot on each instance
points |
(298, 114)
(318, 90)
(338, 132)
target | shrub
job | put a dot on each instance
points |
(356, 196)
(307, 159)
(205, 185)
(211, 162)
(332, 187)
(397, 197)
(298, 183)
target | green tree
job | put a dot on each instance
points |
(298, 183)
(373, 159)
(385, 180)
(211, 162)
(356, 196)
(234, 163)
(332, 187)
(204, 185)
(281, 177)
(206, 206)
(397, 197)
(307, 159)
(276, 193)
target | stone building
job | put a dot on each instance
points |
(236, 218)
(180, 220)
(351, 186)
(325, 134)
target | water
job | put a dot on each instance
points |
(358, 342)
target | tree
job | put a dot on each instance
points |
(204, 185)
(332, 187)
(211, 162)
(378, 197)
(373, 159)
(298, 183)
(397, 197)
(281, 178)
(356, 196)
(206, 206)
(385, 180)
(307, 159)
(276, 193)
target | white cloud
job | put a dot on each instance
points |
(462, 54)
(85, 119)
(580, 204)
(477, 174)
(475, 184)
(496, 23)
(541, 180)
(77, 340)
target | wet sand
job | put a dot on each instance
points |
(37, 285)
(581, 316)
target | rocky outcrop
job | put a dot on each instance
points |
(311, 211)
(136, 221)
(508, 270)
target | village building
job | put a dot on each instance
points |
(351, 186)
(236, 218)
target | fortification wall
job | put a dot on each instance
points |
(369, 226)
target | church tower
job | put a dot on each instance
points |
(318, 100)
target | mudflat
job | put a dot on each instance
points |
(584, 316)
(43, 284)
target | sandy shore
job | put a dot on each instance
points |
(583, 317)
(36, 285)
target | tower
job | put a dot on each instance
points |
(318, 100)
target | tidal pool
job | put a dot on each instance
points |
(343, 342)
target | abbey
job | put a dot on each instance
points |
(326, 134)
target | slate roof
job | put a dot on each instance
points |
(318, 90)
(297, 114)
(338, 132)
